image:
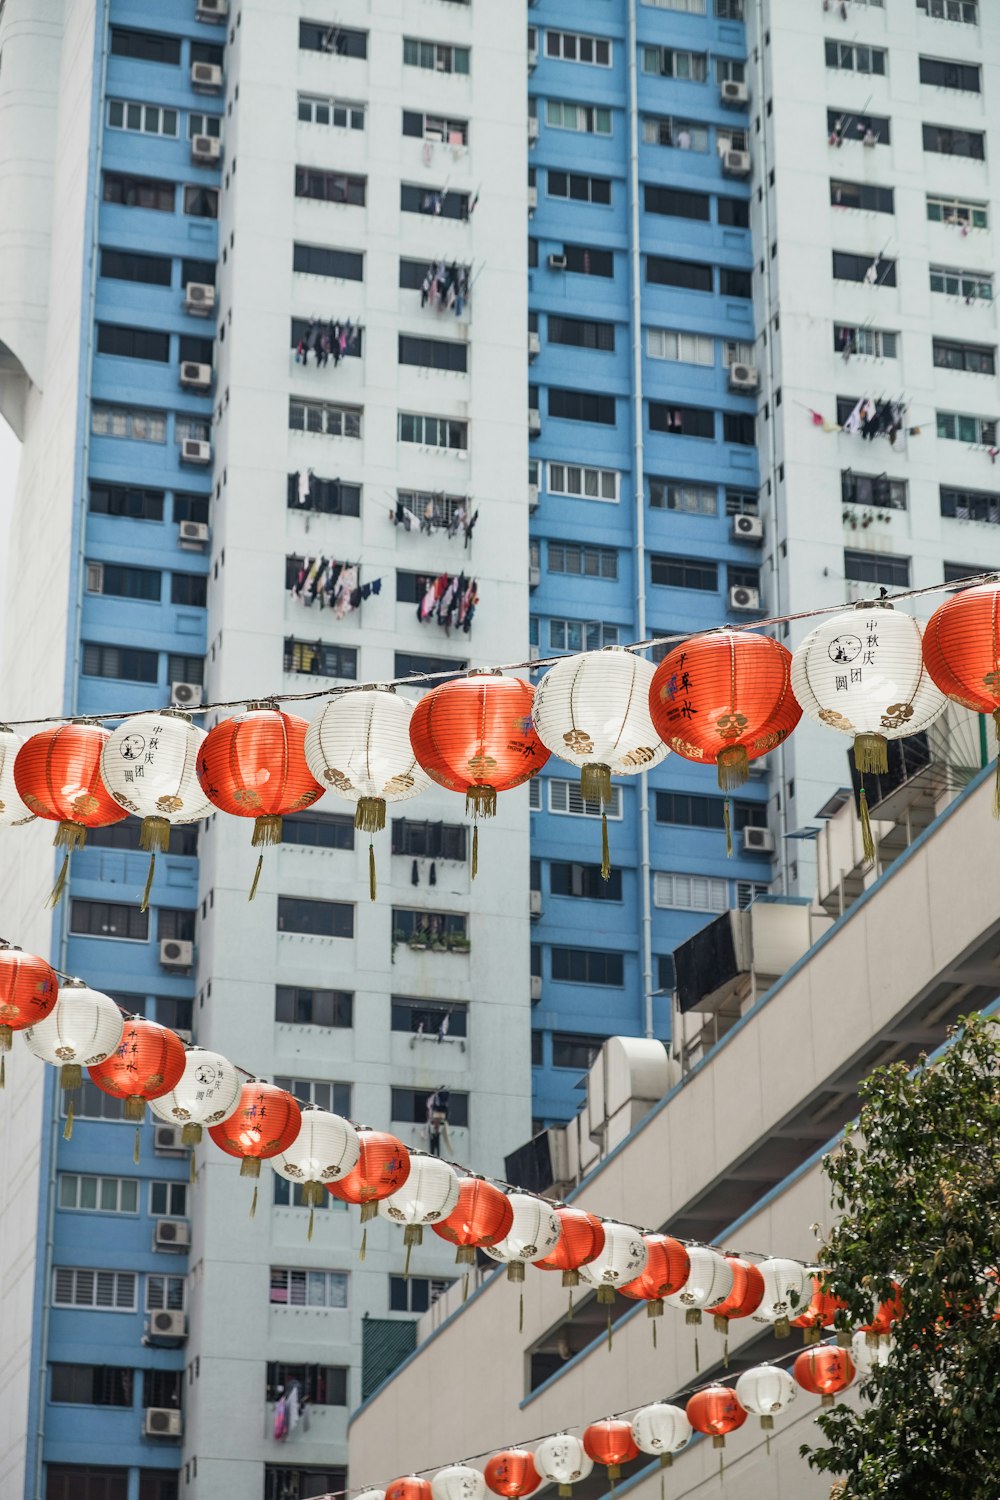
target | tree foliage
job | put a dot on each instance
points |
(917, 1191)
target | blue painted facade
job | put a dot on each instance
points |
(569, 1009)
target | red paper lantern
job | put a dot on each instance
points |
(411, 1488)
(888, 1312)
(28, 991)
(715, 1411)
(57, 773)
(724, 699)
(667, 1268)
(263, 1124)
(824, 1371)
(482, 1217)
(745, 1297)
(147, 1062)
(512, 1473)
(962, 649)
(820, 1313)
(610, 1443)
(382, 1167)
(581, 1240)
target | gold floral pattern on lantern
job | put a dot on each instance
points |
(897, 714)
(579, 740)
(834, 719)
(245, 796)
(481, 764)
(170, 804)
(730, 726)
(641, 755)
(85, 805)
(337, 779)
(401, 782)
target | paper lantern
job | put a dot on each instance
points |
(82, 1028)
(562, 1459)
(820, 1311)
(458, 1482)
(724, 699)
(265, 1122)
(57, 773)
(662, 1430)
(787, 1290)
(824, 1371)
(13, 811)
(886, 1314)
(715, 1412)
(512, 1473)
(206, 1093)
(360, 748)
(581, 1237)
(610, 1443)
(254, 766)
(867, 1355)
(482, 1216)
(620, 1260)
(476, 736)
(325, 1148)
(428, 1195)
(744, 1297)
(766, 1390)
(29, 990)
(411, 1488)
(148, 1061)
(961, 647)
(383, 1166)
(709, 1280)
(533, 1234)
(148, 766)
(370, 1495)
(666, 1270)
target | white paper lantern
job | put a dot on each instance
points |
(458, 1482)
(787, 1293)
(427, 1196)
(661, 1429)
(326, 1147)
(82, 1028)
(766, 1390)
(562, 1459)
(208, 1093)
(533, 1235)
(621, 1259)
(870, 1356)
(360, 748)
(593, 711)
(710, 1280)
(12, 810)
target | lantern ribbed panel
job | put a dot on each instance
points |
(148, 765)
(862, 672)
(581, 1237)
(667, 1267)
(325, 1148)
(148, 1061)
(476, 736)
(482, 1216)
(593, 710)
(621, 1259)
(787, 1290)
(82, 1028)
(886, 1312)
(747, 1291)
(724, 699)
(534, 1231)
(458, 1482)
(383, 1166)
(254, 766)
(610, 1442)
(562, 1459)
(821, 1307)
(661, 1428)
(709, 1280)
(512, 1473)
(715, 1411)
(428, 1195)
(57, 773)
(868, 1356)
(265, 1121)
(766, 1390)
(13, 811)
(962, 648)
(410, 1488)
(824, 1370)
(360, 748)
(206, 1093)
(29, 990)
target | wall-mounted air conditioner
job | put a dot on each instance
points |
(758, 841)
(176, 954)
(206, 78)
(744, 600)
(748, 529)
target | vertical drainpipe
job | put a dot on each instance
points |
(639, 494)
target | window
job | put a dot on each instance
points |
(581, 333)
(734, 283)
(341, 41)
(165, 1293)
(582, 483)
(873, 343)
(168, 1200)
(970, 285)
(429, 926)
(185, 668)
(584, 562)
(747, 892)
(202, 124)
(675, 494)
(201, 202)
(110, 1195)
(976, 359)
(410, 1106)
(437, 128)
(961, 572)
(742, 503)
(335, 1097)
(176, 923)
(582, 635)
(323, 417)
(873, 271)
(666, 130)
(429, 840)
(734, 212)
(872, 489)
(414, 663)
(159, 1484)
(128, 265)
(438, 56)
(190, 429)
(684, 573)
(579, 188)
(433, 354)
(318, 260)
(290, 1195)
(107, 919)
(588, 966)
(316, 918)
(862, 195)
(297, 1006)
(691, 274)
(847, 125)
(327, 496)
(189, 589)
(571, 47)
(690, 892)
(686, 348)
(121, 662)
(730, 10)
(675, 203)
(308, 1288)
(584, 882)
(951, 142)
(874, 567)
(729, 70)
(113, 1291)
(124, 500)
(199, 351)
(174, 1012)
(92, 1385)
(330, 187)
(565, 798)
(92, 1103)
(145, 46)
(689, 811)
(739, 427)
(432, 432)
(122, 582)
(191, 507)
(970, 505)
(428, 1017)
(667, 62)
(951, 10)
(681, 421)
(942, 74)
(961, 428)
(280, 1482)
(583, 260)
(560, 114)
(581, 406)
(692, 7)
(316, 830)
(146, 119)
(128, 422)
(966, 215)
(577, 1052)
(301, 327)
(415, 1294)
(855, 59)
(139, 192)
(320, 109)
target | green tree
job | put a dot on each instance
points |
(916, 1186)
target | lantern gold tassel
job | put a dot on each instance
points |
(372, 883)
(515, 1270)
(520, 1311)
(70, 836)
(149, 882)
(138, 1135)
(266, 830)
(256, 877)
(413, 1234)
(309, 1231)
(465, 1255)
(481, 802)
(193, 1171)
(6, 1038)
(732, 765)
(250, 1166)
(867, 838)
(465, 1287)
(369, 815)
(871, 753)
(996, 788)
(654, 1335)
(728, 824)
(569, 1310)
(606, 1295)
(362, 1253)
(154, 834)
(609, 1330)
(605, 849)
(253, 1202)
(3, 1071)
(135, 1109)
(369, 1211)
(475, 850)
(191, 1134)
(595, 783)
(60, 885)
(70, 1076)
(68, 1127)
(571, 1278)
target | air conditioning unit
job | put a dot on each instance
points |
(167, 1324)
(532, 199)
(199, 298)
(196, 451)
(176, 954)
(171, 1234)
(162, 1422)
(732, 92)
(199, 376)
(758, 841)
(167, 1140)
(736, 164)
(192, 533)
(212, 10)
(534, 421)
(557, 262)
(748, 529)
(535, 903)
(534, 576)
(743, 378)
(743, 600)
(206, 78)
(184, 1035)
(532, 496)
(186, 694)
(536, 988)
(534, 344)
(206, 149)
(532, 130)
